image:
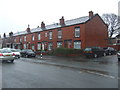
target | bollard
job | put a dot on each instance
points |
(41, 55)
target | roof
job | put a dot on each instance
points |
(56, 25)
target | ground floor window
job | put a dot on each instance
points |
(50, 45)
(43, 46)
(68, 43)
(39, 46)
(59, 44)
(33, 46)
(25, 47)
(77, 44)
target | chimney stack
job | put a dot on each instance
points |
(42, 25)
(90, 14)
(28, 29)
(62, 22)
(37, 26)
(11, 34)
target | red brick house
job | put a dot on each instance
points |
(76, 33)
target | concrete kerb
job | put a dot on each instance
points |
(76, 58)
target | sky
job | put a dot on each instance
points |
(15, 15)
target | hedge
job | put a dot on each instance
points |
(68, 51)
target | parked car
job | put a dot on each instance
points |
(27, 53)
(118, 55)
(16, 52)
(6, 55)
(110, 50)
(94, 52)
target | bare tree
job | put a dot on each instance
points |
(113, 22)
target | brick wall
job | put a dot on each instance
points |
(96, 33)
(92, 33)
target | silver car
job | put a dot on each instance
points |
(16, 52)
(6, 55)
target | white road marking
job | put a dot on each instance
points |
(104, 75)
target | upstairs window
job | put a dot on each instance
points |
(33, 38)
(15, 40)
(50, 35)
(24, 38)
(39, 36)
(59, 34)
(20, 39)
(46, 34)
(77, 31)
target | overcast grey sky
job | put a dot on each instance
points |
(15, 15)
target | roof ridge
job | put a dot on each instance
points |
(76, 18)
(74, 21)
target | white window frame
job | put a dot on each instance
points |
(50, 45)
(33, 46)
(39, 46)
(20, 39)
(15, 40)
(77, 44)
(59, 44)
(50, 35)
(33, 37)
(39, 36)
(77, 31)
(59, 34)
(25, 46)
(25, 38)
(46, 34)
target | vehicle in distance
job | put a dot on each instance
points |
(27, 53)
(16, 52)
(110, 50)
(94, 52)
(118, 55)
(6, 55)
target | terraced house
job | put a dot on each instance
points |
(76, 33)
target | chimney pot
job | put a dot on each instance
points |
(28, 29)
(90, 14)
(37, 26)
(42, 25)
(62, 22)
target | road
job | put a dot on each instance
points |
(26, 73)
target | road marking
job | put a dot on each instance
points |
(104, 75)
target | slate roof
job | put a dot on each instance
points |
(57, 25)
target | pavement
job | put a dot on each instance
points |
(104, 65)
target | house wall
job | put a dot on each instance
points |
(92, 33)
(68, 33)
(96, 33)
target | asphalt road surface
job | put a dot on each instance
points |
(27, 74)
